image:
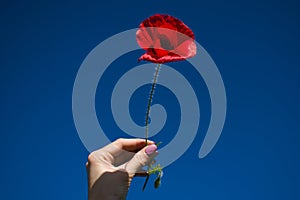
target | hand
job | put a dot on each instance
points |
(111, 169)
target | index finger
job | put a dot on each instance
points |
(130, 145)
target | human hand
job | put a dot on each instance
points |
(111, 169)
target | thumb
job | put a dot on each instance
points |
(141, 159)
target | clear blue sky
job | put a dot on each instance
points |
(255, 45)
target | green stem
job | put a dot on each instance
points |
(150, 101)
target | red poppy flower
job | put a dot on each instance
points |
(166, 39)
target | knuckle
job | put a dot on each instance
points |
(91, 158)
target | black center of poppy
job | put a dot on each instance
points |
(165, 43)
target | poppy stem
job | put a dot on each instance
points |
(158, 168)
(150, 100)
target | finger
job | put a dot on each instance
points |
(124, 157)
(141, 159)
(132, 145)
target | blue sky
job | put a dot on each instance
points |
(255, 45)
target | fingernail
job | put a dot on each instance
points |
(151, 149)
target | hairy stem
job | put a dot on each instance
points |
(150, 100)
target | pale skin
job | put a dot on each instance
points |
(111, 169)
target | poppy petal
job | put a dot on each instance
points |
(187, 49)
(165, 39)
